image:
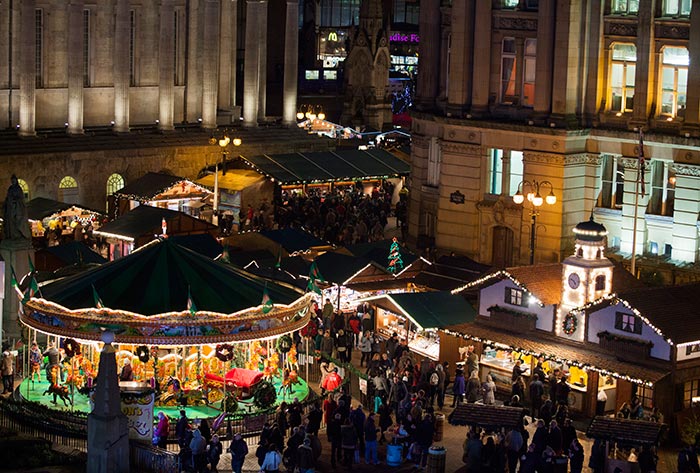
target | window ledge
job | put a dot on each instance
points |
(665, 220)
(607, 211)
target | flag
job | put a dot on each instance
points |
(641, 160)
(266, 301)
(96, 298)
(190, 302)
(32, 269)
(15, 284)
(278, 264)
(34, 287)
(314, 275)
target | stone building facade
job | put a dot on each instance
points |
(519, 90)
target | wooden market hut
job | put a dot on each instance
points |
(161, 190)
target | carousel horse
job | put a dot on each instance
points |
(290, 378)
(174, 392)
(54, 388)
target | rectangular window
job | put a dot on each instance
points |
(495, 171)
(628, 323)
(39, 43)
(132, 46)
(622, 71)
(513, 172)
(613, 183)
(674, 81)
(176, 41)
(530, 66)
(86, 48)
(508, 65)
(330, 75)
(434, 161)
(311, 74)
(510, 3)
(340, 13)
(663, 189)
(677, 7)
(691, 393)
(515, 297)
(625, 7)
(693, 348)
(516, 171)
(645, 395)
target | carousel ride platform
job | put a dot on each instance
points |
(77, 402)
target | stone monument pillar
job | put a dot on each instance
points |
(15, 250)
(108, 431)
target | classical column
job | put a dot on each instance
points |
(209, 56)
(166, 66)
(252, 65)
(692, 110)
(566, 76)
(75, 66)
(482, 58)
(227, 55)
(459, 86)
(194, 62)
(291, 63)
(594, 71)
(644, 83)
(685, 216)
(545, 57)
(122, 67)
(429, 48)
(262, 59)
(27, 76)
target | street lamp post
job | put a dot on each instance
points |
(536, 199)
(223, 143)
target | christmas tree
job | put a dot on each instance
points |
(395, 261)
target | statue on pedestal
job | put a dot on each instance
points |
(15, 223)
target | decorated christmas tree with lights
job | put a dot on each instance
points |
(395, 261)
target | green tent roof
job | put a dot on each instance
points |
(429, 310)
(156, 279)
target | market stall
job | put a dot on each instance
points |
(60, 217)
(200, 333)
(164, 191)
(623, 440)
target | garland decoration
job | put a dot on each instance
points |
(570, 324)
(284, 343)
(71, 347)
(143, 353)
(265, 395)
(224, 352)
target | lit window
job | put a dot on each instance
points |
(623, 7)
(513, 173)
(510, 3)
(613, 183)
(434, 162)
(663, 189)
(25, 188)
(114, 183)
(677, 7)
(674, 81)
(495, 171)
(530, 63)
(67, 183)
(68, 190)
(508, 71)
(515, 297)
(624, 57)
(311, 75)
(628, 323)
(691, 392)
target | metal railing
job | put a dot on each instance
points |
(149, 459)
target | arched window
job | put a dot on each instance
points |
(68, 190)
(114, 183)
(25, 188)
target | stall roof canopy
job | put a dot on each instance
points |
(338, 268)
(378, 251)
(329, 166)
(202, 243)
(144, 220)
(74, 253)
(487, 416)
(148, 186)
(428, 310)
(294, 239)
(157, 278)
(40, 208)
(635, 432)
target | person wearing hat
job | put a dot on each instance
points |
(238, 450)
(306, 462)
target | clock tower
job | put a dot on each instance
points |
(586, 276)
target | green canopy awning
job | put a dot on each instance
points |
(329, 166)
(428, 310)
(157, 278)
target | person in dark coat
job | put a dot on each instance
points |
(554, 438)
(424, 437)
(473, 387)
(238, 450)
(458, 388)
(546, 412)
(539, 439)
(568, 433)
(333, 431)
(647, 459)
(181, 428)
(528, 461)
(314, 417)
(536, 390)
(575, 456)
(205, 430)
(348, 439)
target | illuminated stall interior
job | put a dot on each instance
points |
(47, 214)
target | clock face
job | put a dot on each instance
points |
(574, 281)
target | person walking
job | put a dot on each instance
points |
(576, 456)
(181, 428)
(365, 348)
(473, 387)
(536, 390)
(214, 451)
(238, 450)
(458, 388)
(273, 460)
(306, 461)
(160, 434)
(489, 390)
(348, 437)
(198, 446)
(514, 444)
(370, 431)
(333, 430)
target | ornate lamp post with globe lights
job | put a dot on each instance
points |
(535, 198)
(223, 143)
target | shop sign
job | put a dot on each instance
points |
(138, 409)
(457, 197)
(404, 38)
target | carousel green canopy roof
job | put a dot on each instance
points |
(166, 294)
(157, 278)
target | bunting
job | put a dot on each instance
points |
(314, 275)
(190, 302)
(266, 301)
(96, 298)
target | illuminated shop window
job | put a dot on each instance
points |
(625, 7)
(674, 81)
(663, 189)
(510, 3)
(624, 59)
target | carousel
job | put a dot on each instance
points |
(193, 333)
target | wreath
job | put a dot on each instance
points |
(224, 352)
(284, 344)
(143, 353)
(71, 347)
(265, 395)
(570, 324)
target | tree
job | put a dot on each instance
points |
(395, 261)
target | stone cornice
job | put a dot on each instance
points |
(686, 170)
(543, 158)
(582, 158)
